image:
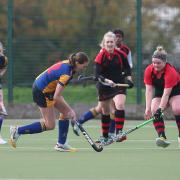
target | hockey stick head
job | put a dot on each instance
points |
(97, 149)
(88, 138)
(85, 78)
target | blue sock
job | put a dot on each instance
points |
(33, 128)
(112, 126)
(86, 116)
(63, 126)
(1, 121)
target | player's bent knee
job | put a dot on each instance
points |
(95, 111)
(176, 111)
(49, 126)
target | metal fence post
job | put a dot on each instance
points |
(9, 48)
(139, 51)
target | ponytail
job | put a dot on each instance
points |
(79, 57)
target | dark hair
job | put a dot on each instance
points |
(118, 31)
(79, 57)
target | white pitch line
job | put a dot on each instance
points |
(81, 178)
(55, 179)
(98, 126)
(79, 140)
(22, 148)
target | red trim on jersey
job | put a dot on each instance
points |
(171, 76)
(104, 52)
(124, 48)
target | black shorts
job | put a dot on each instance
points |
(42, 99)
(108, 93)
(175, 91)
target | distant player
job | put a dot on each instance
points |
(165, 80)
(47, 94)
(123, 47)
(3, 68)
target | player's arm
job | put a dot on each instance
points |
(171, 79)
(98, 75)
(58, 92)
(129, 57)
(128, 72)
(165, 98)
(149, 97)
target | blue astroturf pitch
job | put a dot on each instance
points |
(137, 158)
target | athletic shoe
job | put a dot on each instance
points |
(104, 141)
(3, 111)
(13, 136)
(162, 142)
(64, 148)
(179, 141)
(120, 137)
(112, 135)
(2, 141)
(75, 128)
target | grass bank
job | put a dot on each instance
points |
(73, 94)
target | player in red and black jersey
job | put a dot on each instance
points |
(165, 80)
(123, 47)
(47, 94)
(111, 63)
(95, 111)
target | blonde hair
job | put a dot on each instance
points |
(160, 53)
(108, 34)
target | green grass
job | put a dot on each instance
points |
(138, 158)
(72, 94)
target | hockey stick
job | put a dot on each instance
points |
(88, 138)
(93, 78)
(86, 78)
(133, 129)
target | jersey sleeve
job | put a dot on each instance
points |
(147, 76)
(125, 62)
(65, 75)
(99, 57)
(171, 77)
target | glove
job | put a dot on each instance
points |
(158, 114)
(130, 83)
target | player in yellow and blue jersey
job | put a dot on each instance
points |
(47, 94)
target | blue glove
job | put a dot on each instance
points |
(158, 114)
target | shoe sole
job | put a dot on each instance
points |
(161, 143)
(121, 139)
(64, 150)
(12, 143)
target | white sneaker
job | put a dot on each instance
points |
(179, 141)
(64, 148)
(2, 141)
(162, 142)
(13, 136)
(121, 137)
